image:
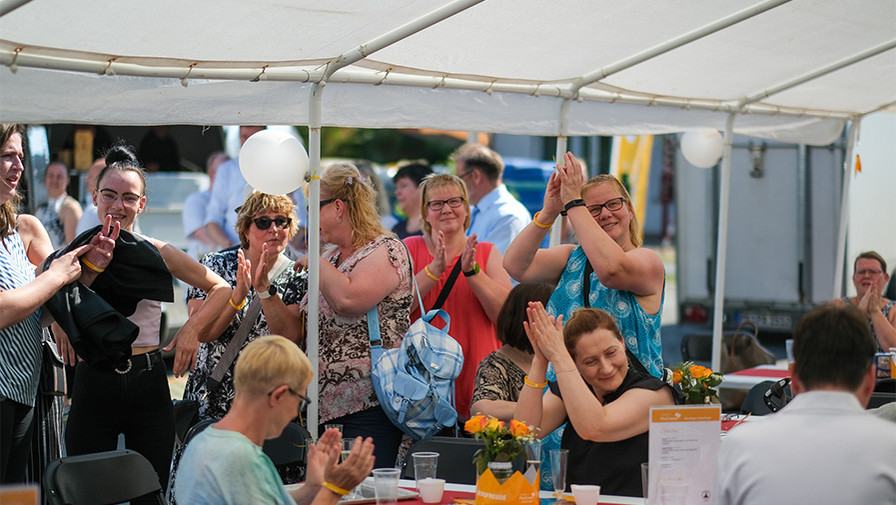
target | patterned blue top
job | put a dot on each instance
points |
(640, 329)
(19, 343)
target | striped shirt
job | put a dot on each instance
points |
(20, 343)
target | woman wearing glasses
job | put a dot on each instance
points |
(869, 277)
(365, 266)
(257, 269)
(132, 398)
(480, 288)
(619, 276)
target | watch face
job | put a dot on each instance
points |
(272, 290)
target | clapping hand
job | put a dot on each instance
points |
(571, 178)
(468, 255)
(545, 332)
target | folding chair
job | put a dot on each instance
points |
(101, 478)
(455, 458)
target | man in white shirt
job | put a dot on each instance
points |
(822, 447)
(496, 216)
(228, 193)
(198, 238)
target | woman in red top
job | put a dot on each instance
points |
(477, 294)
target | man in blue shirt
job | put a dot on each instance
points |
(496, 216)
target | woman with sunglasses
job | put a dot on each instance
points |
(257, 269)
(133, 398)
(479, 290)
(623, 278)
(365, 266)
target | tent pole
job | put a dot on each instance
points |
(556, 234)
(722, 245)
(840, 263)
(313, 336)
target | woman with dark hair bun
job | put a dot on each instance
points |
(131, 396)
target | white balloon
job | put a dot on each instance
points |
(273, 162)
(702, 148)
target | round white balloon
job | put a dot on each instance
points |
(273, 162)
(702, 148)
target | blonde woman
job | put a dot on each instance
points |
(619, 275)
(364, 266)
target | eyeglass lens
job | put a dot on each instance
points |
(611, 205)
(264, 222)
(109, 197)
(862, 273)
(452, 202)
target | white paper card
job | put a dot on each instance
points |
(684, 441)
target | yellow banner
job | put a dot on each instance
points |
(631, 165)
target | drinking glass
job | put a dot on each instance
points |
(558, 470)
(425, 465)
(385, 482)
(336, 426)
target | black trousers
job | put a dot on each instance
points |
(136, 404)
(16, 424)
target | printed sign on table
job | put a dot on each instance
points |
(684, 441)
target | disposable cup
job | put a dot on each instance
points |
(585, 494)
(425, 465)
(431, 489)
(385, 483)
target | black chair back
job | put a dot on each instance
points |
(455, 458)
(101, 478)
(696, 347)
(289, 448)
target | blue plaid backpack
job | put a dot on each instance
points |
(415, 382)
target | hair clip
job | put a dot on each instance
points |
(349, 181)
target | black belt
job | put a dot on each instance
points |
(140, 362)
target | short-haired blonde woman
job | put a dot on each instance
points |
(225, 463)
(364, 266)
(478, 292)
(623, 278)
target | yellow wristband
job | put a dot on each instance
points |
(539, 224)
(429, 274)
(336, 489)
(243, 304)
(537, 385)
(92, 266)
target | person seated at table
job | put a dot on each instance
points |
(499, 377)
(225, 464)
(609, 395)
(822, 447)
(870, 277)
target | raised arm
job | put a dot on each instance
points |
(373, 278)
(191, 272)
(523, 260)
(492, 283)
(623, 267)
(282, 319)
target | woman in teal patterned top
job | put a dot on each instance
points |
(624, 279)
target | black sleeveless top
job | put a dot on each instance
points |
(614, 466)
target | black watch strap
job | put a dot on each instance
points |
(578, 202)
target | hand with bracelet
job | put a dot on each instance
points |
(243, 281)
(468, 257)
(439, 259)
(98, 258)
(545, 332)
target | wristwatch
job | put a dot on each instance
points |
(578, 202)
(264, 295)
(473, 272)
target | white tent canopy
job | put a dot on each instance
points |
(794, 71)
(496, 65)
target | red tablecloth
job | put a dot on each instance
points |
(763, 372)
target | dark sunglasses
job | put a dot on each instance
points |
(264, 222)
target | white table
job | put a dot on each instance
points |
(622, 500)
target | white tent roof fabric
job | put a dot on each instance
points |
(502, 66)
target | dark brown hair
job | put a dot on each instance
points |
(584, 321)
(509, 326)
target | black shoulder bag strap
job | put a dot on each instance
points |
(446, 289)
(586, 294)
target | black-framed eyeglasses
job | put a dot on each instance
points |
(611, 205)
(264, 222)
(303, 400)
(468, 172)
(437, 205)
(872, 273)
(108, 197)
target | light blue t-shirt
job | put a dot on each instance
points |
(224, 467)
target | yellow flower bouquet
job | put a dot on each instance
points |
(503, 441)
(697, 383)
